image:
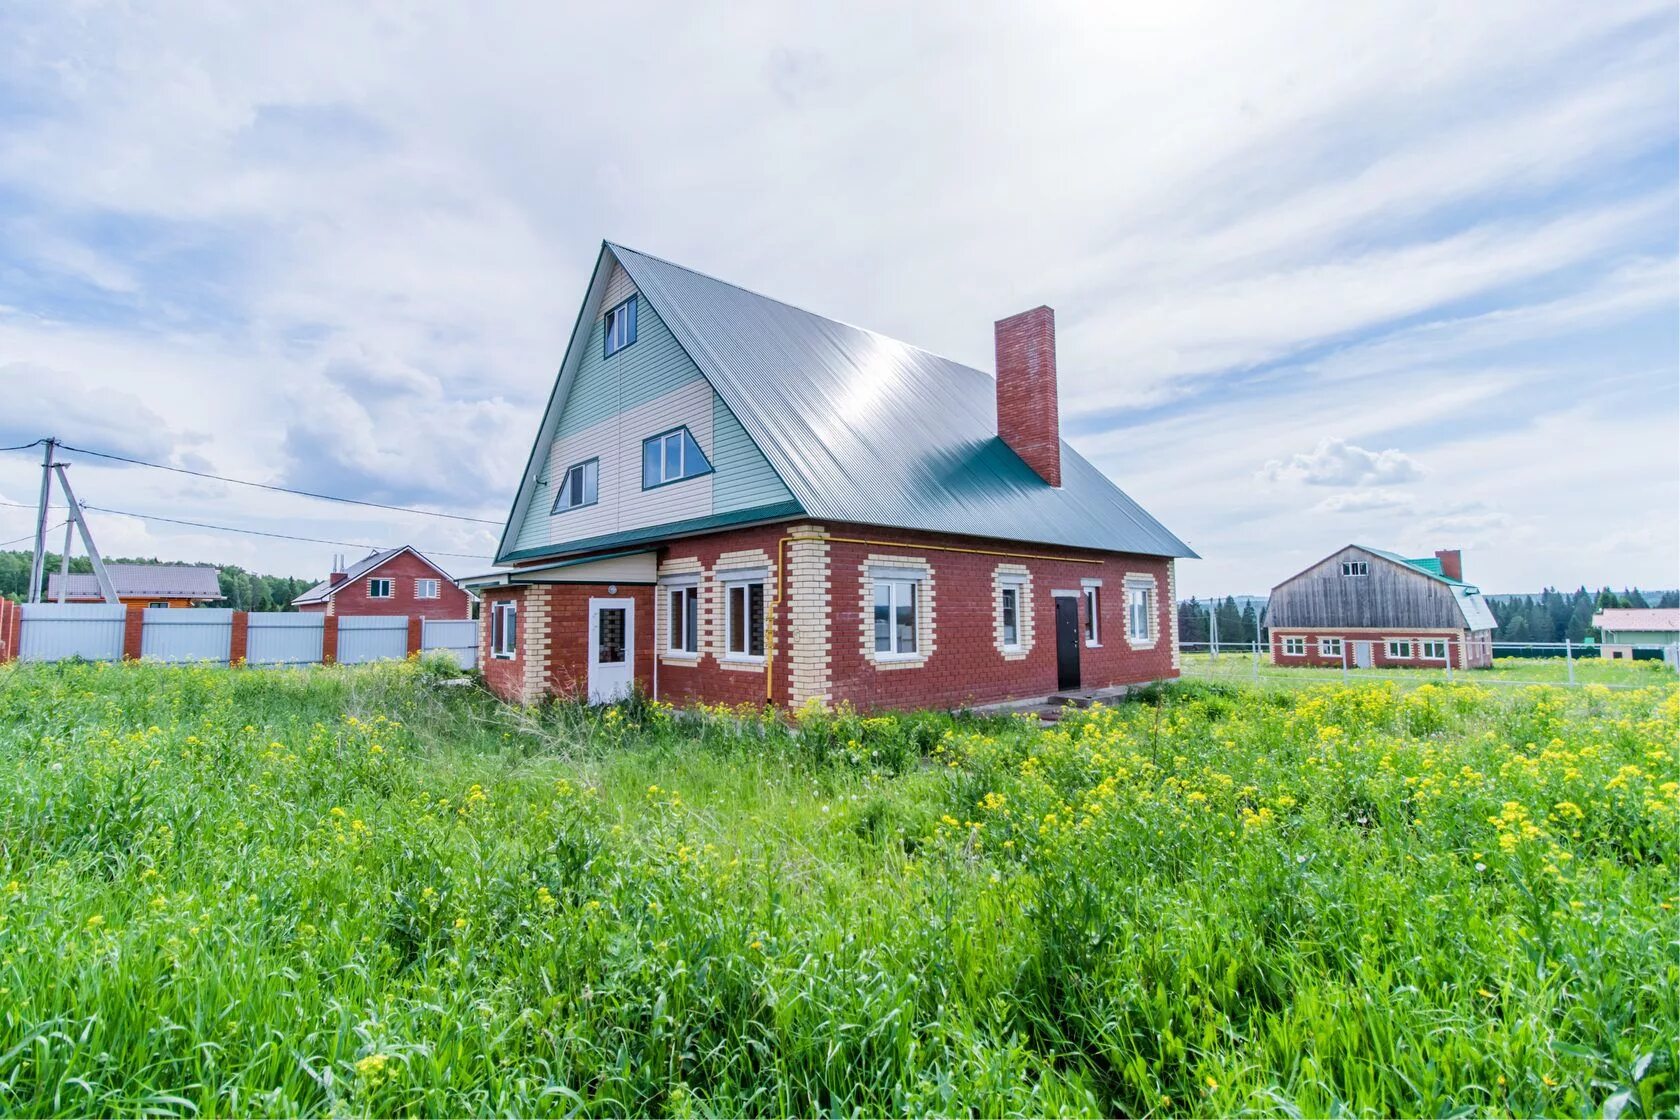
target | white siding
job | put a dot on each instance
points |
(619, 289)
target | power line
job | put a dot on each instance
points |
(250, 532)
(262, 485)
(31, 536)
(22, 446)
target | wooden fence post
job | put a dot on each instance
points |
(329, 640)
(134, 625)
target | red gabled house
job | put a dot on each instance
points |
(731, 499)
(397, 581)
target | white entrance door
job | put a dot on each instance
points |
(612, 644)
(1361, 655)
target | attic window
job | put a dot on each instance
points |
(1356, 567)
(579, 486)
(671, 457)
(621, 326)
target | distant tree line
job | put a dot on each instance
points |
(1550, 616)
(244, 591)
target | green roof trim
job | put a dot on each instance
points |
(659, 532)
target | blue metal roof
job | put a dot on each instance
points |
(865, 429)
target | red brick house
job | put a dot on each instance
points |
(395, 581)
(735, 500)
(1368, 608)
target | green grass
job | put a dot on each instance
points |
(333, 890)
(1234, 666)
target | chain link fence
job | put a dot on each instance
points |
(1514, 663)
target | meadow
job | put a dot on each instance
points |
(358, 891)
(1238, 666)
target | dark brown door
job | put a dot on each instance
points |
(1067, 643)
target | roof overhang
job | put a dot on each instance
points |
(637, 567)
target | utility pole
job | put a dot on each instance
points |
(64, 562)
(38, 565)
(106, 587)
(1213, 633)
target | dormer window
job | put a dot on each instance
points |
(579, 486)
(671, 457)
(1356, 567)
(621, 326)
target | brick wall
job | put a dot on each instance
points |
(1463, 648)
(1028, 416)
(402, 570)
(504, 676)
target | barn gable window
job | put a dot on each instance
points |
(1356, 567)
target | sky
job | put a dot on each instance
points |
(1395, 274)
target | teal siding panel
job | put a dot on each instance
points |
(745, 479)
(653, 366)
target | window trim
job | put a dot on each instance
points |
(390, 584)
(607, 348)
(1295, 646)
(436, 585)
(560, 490)
(1356, 569)
(1090, 594)
(1323, 652)
(1390, 644)
(688, 588)
(1425, 655)
(157, 606)
(508, 647)
(745, 581)
(1151, 630)
(667, 433)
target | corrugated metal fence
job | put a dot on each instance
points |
(373, 637)
(455, 636)
(284, 639)
(55, 631)
(205, 634)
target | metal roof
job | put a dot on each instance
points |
(326, 589)
(1477, 614)
(1637, 618)
(170, 581)
(863, 428)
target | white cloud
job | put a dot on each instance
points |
(1336, 462)
(1364, 501)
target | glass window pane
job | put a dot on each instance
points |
(737, 618)
(905, 594)
(611, 636)
(650, 463)
(755, 619)
(630, 321)
(691, 612)
(883, 617)
(591, 480)
(1010, 631)
(675, 621)
(694, 460)
(673, 456)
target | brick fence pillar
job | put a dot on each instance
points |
(11, 629)
(416, 628)
(239, 644)
(134, 624)
(329, 640)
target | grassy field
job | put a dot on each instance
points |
(1234, 666)
(351, 891)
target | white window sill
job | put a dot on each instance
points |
(1089, 644)
(501, 657)
(1013, 649)
(743, 659)
(879, 656)
(682, 655)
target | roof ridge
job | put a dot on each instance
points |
(615, 246)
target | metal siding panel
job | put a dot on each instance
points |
(53, 631)
(189, 635)
(455, 636)
(745, 478)
(372, 637)
(866, 429)
(284, 639)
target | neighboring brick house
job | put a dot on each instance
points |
(395, 581)
(143, 585)
(1367, 608)
(732, 500)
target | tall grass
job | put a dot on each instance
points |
(354, 891)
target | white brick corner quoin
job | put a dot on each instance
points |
(809, 618)
(924, 610)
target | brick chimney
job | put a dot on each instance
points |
(1027, 415)
(338, 575)
(1452, 563)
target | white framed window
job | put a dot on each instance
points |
(380, 589)
(579, 486)
(426, 589)
(1356, 567)
(671, 457)
(1093, 614)
(620, 327)
(1294, 647)
(1009, 615)
(1140, 612)
(1398, 650)
(504, 629)
(896, 603)
(1330, 647)
(743, 618)
(1434, 651)
(158, 606)
(683, 629)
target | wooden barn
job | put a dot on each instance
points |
(1365, 608)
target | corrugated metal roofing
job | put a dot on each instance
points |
(866, 429)
(320, 592)
(1638, 618)
(168, 581)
